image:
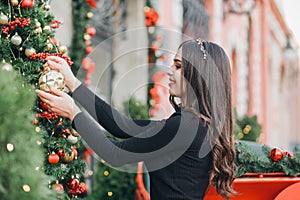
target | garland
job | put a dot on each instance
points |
(82, 11)
(255, 158)
(154, 55)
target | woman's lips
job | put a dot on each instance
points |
(171, 82)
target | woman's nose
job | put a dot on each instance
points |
(170, 71)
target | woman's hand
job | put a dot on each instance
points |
(60, 65)
(59, 102)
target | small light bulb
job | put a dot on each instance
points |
(90, 172)
(106, 173)
(109, 194)
(10, 147)
(26, 188)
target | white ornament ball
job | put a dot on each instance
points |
(16, 39)
(7, 66)
(72, 139)
(3, 19)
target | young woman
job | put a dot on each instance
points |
(184, 153)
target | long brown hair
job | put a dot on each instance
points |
(208, 94)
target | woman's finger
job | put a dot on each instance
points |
(53, 65)
(55, 59)
(56, 92)
(50, 108)
(46, 97)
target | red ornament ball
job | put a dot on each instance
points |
(91, 31)
(276, 154)
(58, 187)
(88, 49)
(61, 152)
(82, 188)
(43, 105)
(27, 4)
(53, 158)
(75, 152)
(73, 183)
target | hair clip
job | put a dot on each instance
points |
(200, 42)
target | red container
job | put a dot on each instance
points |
(269, 186)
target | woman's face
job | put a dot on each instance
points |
(175, 75)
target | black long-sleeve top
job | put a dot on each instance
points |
(174, 150)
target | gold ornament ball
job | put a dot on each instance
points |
(16, 39)
(3, 19)
(14, 2)
(49, 46)
(29, 52)
(51, 79)
(47, 28)
(68, 156)
(62, 49)
(37, 24)
(47, 7)
(38, 30)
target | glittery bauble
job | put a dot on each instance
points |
(29, 52)
(16, 39)
(51, 79)
(3, 19)
(14, 2)
(68, 156)
(276, 154)
(73, 183)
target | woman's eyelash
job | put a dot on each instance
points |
(178, 66)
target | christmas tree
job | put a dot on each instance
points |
(27, 38)
(21, 154)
